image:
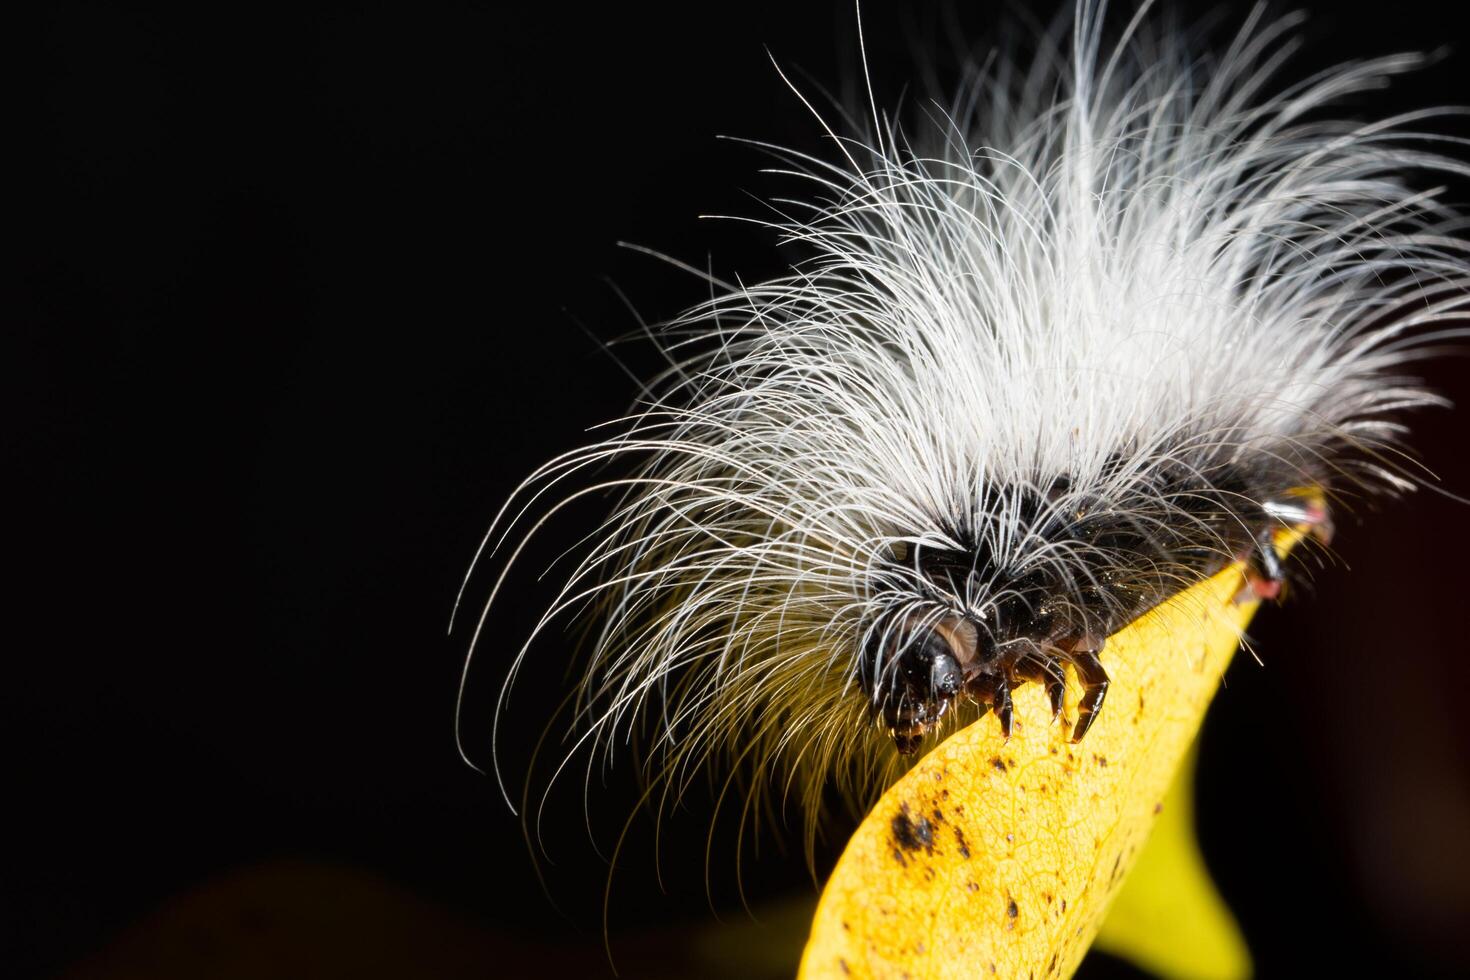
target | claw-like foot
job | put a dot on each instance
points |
(1263, 573)
(1094, 687)
(994, 691)
(1056, 687)
(1001, 705)
(1264, 577)
(1047, 671)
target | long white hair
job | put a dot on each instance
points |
(1088, 263)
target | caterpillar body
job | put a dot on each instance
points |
(1062, 346)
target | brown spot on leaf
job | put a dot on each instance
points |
(910, 834)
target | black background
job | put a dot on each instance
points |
(300, 303)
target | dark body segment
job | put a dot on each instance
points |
(1076, 568)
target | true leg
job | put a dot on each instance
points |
(994, 691)
(1047, 671)
(1263, 572)
(1094, 688)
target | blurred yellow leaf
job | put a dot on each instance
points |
(1168, 919)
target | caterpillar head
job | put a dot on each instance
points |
(915, 668)
(971, 622)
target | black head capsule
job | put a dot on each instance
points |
(912, 673)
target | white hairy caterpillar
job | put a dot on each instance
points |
(1062, 346)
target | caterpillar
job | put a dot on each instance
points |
(1060, 345)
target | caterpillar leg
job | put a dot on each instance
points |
(1094, 687)
(1263, 573)
(994, 691)
(1001, 705)
(1047, 671)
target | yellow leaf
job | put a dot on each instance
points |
(1168, 919)
(995, 858)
